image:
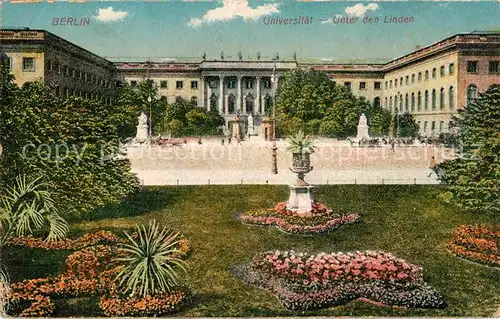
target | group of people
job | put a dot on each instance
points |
(230, 139)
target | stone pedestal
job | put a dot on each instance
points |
(142, 133)
(236, 133)
(267, 127)
(301, 199)
(362, 128)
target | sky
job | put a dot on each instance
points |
(176, 29)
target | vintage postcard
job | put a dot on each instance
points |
(249, 158)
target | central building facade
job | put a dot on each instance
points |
(432, 83)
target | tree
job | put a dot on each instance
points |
(408, 127)
(310, 101)
(133, 101)
(473, 180)
(303, 96)
(185, 118)
(379, 121)
(72, 142)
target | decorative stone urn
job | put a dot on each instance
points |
(301, 197)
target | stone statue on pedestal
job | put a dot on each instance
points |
(240, 55)
(258, 55)
(362, 128)
(142, 129)
(250, 125)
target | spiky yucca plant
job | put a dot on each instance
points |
(150, 262)
(27, 206)
(301, 143)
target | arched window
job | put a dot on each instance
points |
(425, 127)
(441, 99)
(249, 104)
(471, 93)
(413, 102)
(178, 99)
(390, 103)
(419, 101)
(213, 101)
(433, 99)
(376, 102)
(230, 103)
(385, 103)
(426, 100)
(401, 101)
(406, 102)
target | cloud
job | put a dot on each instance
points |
(359, 10)
(232, 9)
(110, 15)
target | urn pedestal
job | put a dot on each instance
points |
(301, 197)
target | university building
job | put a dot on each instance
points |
(433, 82)
(37, 55)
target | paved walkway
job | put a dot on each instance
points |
(335, 162)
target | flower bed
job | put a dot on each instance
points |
(88, 272)
(478, 243)
(101, 236)
(319, 220)
(305, 282)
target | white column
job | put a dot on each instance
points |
(203, 88)
(257, 99)
(221, 94)
(238, 96)
(209, 95)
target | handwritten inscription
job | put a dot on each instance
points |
(69, 21)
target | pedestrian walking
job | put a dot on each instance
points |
(222, 142)
(238, 141)
(229, 140)
(432, 167)
(392, 145)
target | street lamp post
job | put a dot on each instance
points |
(150, 116)
(397, 123)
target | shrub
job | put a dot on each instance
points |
(150, 261)
(88, 272)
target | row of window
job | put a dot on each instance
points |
(417, 78)
(433, 126)
(248, 103)
(76, 74)
(28, 63)
(413, 101)
(362, 85)
(230, 84)
(493, 67)
(66, 92)
(179, 85)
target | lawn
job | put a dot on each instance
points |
(408, 221)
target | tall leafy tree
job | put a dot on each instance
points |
(72, 142)
(473, 180)
(408, 127)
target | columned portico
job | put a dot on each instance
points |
(243, 88)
